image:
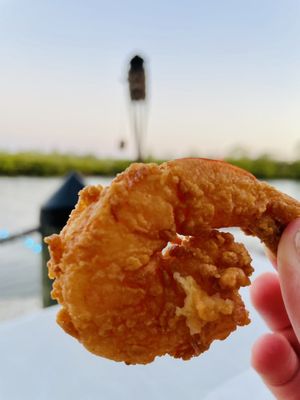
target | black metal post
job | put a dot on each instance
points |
(53, 217)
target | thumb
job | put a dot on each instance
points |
(288, 259)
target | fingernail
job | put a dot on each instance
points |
(297, 243)
(288, 252)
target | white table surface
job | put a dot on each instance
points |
(38, 361)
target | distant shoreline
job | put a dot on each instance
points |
(57, 164)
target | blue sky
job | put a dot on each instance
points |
(221, 74)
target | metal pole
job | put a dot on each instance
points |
(19, 235)
(137, 131)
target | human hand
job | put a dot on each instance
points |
(276, 355)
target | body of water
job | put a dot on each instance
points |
(20, 261)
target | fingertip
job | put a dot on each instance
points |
(258, 353)
(263, 288)
(274, 359)
(267, 299)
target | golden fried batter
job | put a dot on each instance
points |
(140, 270)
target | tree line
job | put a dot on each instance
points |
(57, 164)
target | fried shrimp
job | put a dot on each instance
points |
(140, 269)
